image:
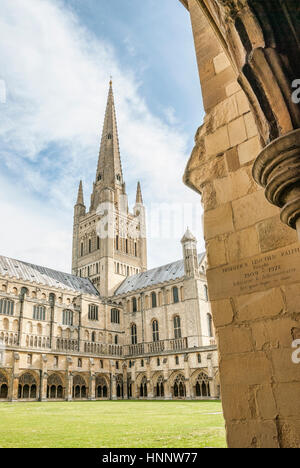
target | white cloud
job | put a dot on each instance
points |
(56, 75)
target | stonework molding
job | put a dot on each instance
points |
(262, 42)
(277, 169)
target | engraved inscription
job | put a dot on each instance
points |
(255, 274)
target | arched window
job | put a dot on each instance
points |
(93, 312)
(133, 334)
(160, 387)
(109, 136)
(210, 326)
(179, 388)
(153, 300)
(6, 307)
(3, 387)
(175, 295)
(90, 245)
(39, 312)
(115, 316)
(68, 317)
(93, 337)
(206, 292)
(81, 249)
(143, 388)
(177, 327)
(80, 389)
(202, 388)
(27, 387)
(116, 339)
(155, 331)
(134, 304)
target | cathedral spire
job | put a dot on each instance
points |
(80, 200)
(139, 197)
(109, 170)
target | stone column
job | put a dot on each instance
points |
(14, 384)
(44, 378)
(113, 387)
(125, 381)
(69, 380)
(167, 386)
(92, 381)
(187, 373)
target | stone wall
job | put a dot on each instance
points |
(253, 258)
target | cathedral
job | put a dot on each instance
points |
(112, 329)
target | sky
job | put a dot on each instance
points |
(56, 58)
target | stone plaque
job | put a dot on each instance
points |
(255, 274)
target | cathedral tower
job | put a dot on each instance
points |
(109, 243)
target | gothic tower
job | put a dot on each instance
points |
(109, 243)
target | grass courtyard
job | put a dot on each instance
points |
(112, 424)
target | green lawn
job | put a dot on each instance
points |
(112, 424)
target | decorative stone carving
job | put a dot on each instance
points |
(277, 169)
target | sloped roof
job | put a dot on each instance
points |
(159, 275)
(45, 276)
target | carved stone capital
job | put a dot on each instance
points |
(277, 169)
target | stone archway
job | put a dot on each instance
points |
(28, 387)
(80, 388)
(3, 386)
(102, 388)
(55, 387)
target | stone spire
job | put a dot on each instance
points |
(80, 200)
(139, 197)
(109, 170)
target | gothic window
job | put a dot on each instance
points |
(177, 327)
(199, 358)
(202, 388)
(133, 334)
(158, 361)
(79, 388)
(27, 387)
(6, 307)
(206, 292)
(55, 388)
(143, 388)
(116, 339)
(93, 312)
(93, 337)
(119, 384)
(134, 304)
(109, 136)
(142, 363)
(177, 360)
(81, 249)
(154, 300)
(98, 242)
(101, 388)
(155, 331)
(3, 387)
(39, 312)
(68, 317)
(115, 316)
(179, 388)
(160, 392)
(210, 326)
(175, 295)
(90, 245)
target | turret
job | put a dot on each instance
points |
(190, 255)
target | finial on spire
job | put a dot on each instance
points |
(80, 200)
(139, 198)
(110, 81)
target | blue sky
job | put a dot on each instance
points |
(56, 58)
